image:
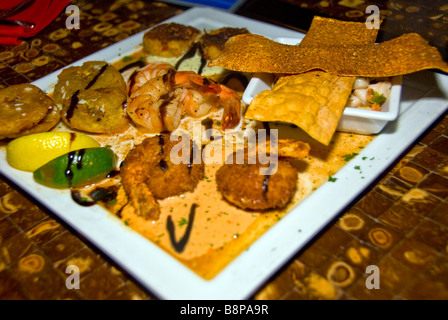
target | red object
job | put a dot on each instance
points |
(40, 13)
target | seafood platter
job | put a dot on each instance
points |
(202, 154)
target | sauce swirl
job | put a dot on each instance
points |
(179, 246)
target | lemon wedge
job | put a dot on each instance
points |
(30, 152)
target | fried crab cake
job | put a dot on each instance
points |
(92, 98)
(151, 163)
(170, 39)
(245, 187)
(212, 42)
(24, 108)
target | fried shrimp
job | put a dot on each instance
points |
(159, 104)
(148, 174)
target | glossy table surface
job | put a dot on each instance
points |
(399, 225)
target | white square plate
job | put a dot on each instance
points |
(166, 277)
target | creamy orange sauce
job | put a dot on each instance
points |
(220, 230)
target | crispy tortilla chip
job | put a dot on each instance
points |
(403, 55)
(323, 30)
(313, 101)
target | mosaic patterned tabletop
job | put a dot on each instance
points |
(399, 225)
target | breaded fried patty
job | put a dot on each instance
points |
(245, 187)
(212, 42)
(170, 39)
(92, 98)
(151, 163)
(46, 124)
(23, 107)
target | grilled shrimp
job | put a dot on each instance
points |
(148, 72)
(161, 101)
(154, 106)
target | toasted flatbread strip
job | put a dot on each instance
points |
(329, 32)
(403, 55)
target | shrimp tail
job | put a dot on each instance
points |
(142, 202)
(231, 102)
(194, 81)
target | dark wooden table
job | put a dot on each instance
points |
(407, 240)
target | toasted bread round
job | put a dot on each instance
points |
(170, 39)
(22, 107)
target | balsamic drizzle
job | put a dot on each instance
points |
(203, 60)
(68, 170)
(74, 98)
(95, 79)
(75, 156)
(99, 194)
(179, 246)
(192, 157)
(76, 196)
(81, 153)
(138, 63)
(190, 54)
(162, 109)
(162, 164)
(73, 103)
(132, 80)
(161, 143)
(264, 187)
(267, 128)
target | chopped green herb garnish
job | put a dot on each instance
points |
(127, 59)
(349, 157)
(182, 222)
(378, 98)
(331, 179)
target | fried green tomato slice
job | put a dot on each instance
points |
(22, 107)
(92, 98)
